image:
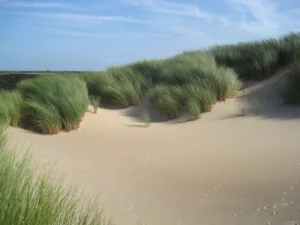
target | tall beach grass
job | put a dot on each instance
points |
(49, 98)
(291, 89)
(28, 197)
(10, 104)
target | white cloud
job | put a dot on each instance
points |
(267, 16)
(28, 4)
(264, 13)
(259, 17)
(74, 33)
(82, 17)
(167, 7)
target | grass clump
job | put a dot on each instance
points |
(165, 99)
(244, 109)
(4, 119)
(117, 86)
(257, 108)
(68, 96)
(193, 109)
(225, 83)
(11, 102)
(204, 97)
(291, 90)
(289, 48)
(30, 198)
(42, 118)
(253, 60)
(95, 102)
(259, 59)
(146, 118)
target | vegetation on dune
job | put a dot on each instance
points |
(192, 80)
(244, 108)
(150, 69)
(95, 102)
(180, 84)
(10, 104)
(289, 48)
(258, 59)
(146, 118)
(193, 109)
(254, 60)
(30, 198)
(291, 91)
(167, 100)
(43, 118)
(4, 119)
(117, 86)
(49, 97)
(204, 97)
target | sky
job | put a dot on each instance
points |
(96, 34)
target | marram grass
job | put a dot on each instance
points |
(193, 109)
(42, 118)
(146, 118)
(11, 101)
(95, 102)
(28, 197)
(65, 97)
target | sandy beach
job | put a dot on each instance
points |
(222, 169)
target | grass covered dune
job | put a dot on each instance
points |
(29, 198)
(188, 83)
(46, 104)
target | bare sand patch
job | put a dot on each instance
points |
(221, 169)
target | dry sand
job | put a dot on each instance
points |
(221, 169)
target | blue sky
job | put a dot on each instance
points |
(95, 34)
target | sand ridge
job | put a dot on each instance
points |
(221, 169)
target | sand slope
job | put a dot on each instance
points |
(221, 169)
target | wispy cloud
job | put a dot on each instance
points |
(265, 15)
(28, 4)
(172, 8)
(82, 17)
(255, 16)
(74, 33)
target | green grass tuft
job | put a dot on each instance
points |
(42, 118)
(95, 102)
(68, 96)
(291, 90)
(244, 109)
(12, 101)
(193, 109)
(165, 100)
(146, 118)
(257, 108)
(28, 197)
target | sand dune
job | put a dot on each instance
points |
(221, 169)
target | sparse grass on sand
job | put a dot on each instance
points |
(244, 109)
(257, 107)
(95, 102)
(28, 197)
(146, 118)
